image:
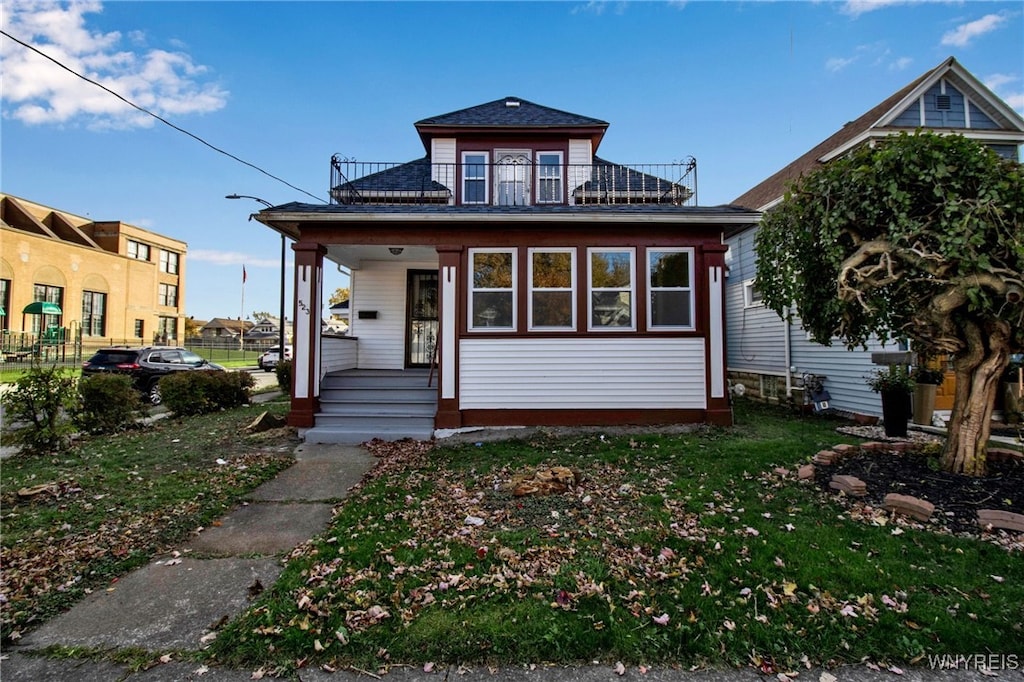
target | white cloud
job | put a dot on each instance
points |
(38, 92)
(962, 35)
(901, 64)
(231, 258)
(1007, 87)
(835, 64)
(858, 7)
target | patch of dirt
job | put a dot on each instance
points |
(957, 498)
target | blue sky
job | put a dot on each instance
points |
(744, 87)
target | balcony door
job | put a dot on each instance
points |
(421, 317)
(512, 177)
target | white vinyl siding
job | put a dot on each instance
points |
(581, 156)
(442, 162)
(380, 286)
(582, 373)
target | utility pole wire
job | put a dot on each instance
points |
(156, 116)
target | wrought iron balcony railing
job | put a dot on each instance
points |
(512, 184)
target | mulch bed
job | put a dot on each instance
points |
(957, 498)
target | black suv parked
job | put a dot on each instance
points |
(146, 365)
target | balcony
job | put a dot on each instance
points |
(601, 183)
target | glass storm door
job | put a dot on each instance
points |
(421, 323)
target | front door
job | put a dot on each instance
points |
(421, 318)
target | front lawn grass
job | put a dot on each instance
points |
(675, 548)
(110, 504)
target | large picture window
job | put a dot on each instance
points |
(94, 313)
(492, 275)
(552, 273)
(670, 287)
(474, 178)
(611, 273)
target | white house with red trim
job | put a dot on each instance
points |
(509, 277)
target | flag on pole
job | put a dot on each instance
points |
(243, 274)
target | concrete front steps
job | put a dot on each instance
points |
(360, 405)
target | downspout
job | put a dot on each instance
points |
(787, 345)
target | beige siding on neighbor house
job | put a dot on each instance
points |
(636, 373)
(581, 154)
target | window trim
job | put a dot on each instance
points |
(689, 289)
(530, 326)
(748, 295)
(559, 178)
(486, 179)
(511, 290)
(631, 250)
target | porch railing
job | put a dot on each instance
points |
(506, 184)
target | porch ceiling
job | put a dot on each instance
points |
(352, 256)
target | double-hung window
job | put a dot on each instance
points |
(552, 273)
(611, 273)
(549, 177)
(51, 294)
(138, 250)
(474, 178)
(168, 295)
(169, 262)
(670, 288)
(492, 279)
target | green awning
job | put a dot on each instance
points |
(42, 308)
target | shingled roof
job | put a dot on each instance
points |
(511, 112)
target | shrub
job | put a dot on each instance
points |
(40, 404)
(108, 403)
(201, 392)
(284, 375)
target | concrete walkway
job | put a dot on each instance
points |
(173, 603)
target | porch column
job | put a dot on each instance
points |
(449, 277)
(309, 268)
(718, 409)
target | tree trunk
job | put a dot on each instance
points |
(979, 369)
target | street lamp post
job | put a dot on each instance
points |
(280, 324)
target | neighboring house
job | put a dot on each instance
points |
(523, 278)
(113, 282)
(768, 355)
(223, 328)
(338, 321)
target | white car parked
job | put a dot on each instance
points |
(268, 361)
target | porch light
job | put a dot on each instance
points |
(280, 322)
(396, 250)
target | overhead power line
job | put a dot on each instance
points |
(156, 116)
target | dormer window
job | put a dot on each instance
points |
(474, 178)
(549, 177)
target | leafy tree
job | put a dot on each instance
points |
(262, 315)
(340, 295)
(191, 328)
(920, 237)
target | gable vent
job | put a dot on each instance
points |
(943, 102)
(511, 103)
